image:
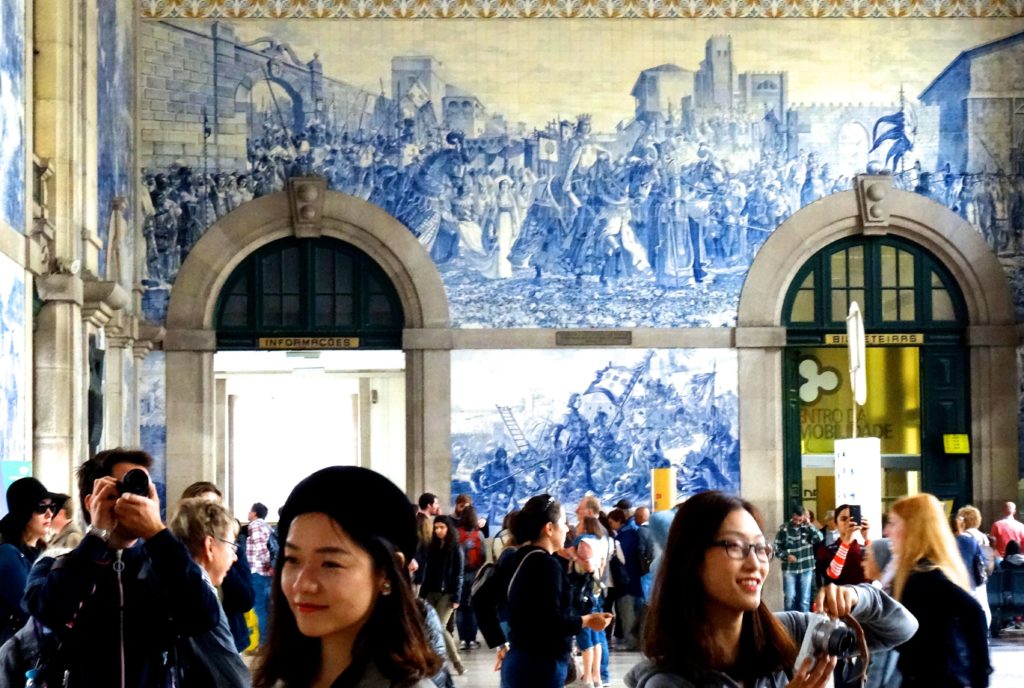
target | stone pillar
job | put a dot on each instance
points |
(428, 426)
(762, 461)
(191, 408)
(57, 439)
(119, 389)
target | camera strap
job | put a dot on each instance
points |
(862, 652)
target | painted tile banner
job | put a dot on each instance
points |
(116, 181)
(579, 172)
(573, 422)
(14, 383)
(12, 113)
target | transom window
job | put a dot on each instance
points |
(309, 287)
(896, 284)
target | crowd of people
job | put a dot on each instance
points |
(364, 585)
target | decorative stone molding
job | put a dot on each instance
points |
(122, 330)
(575, 9)
(147, 337)
(42, 234)
(306, 199)
(873, 193)
(190, 340)
(100, 300)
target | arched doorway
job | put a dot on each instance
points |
(917, 371)
(306, 211)
(875, 209)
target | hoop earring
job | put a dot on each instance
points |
(385, 589)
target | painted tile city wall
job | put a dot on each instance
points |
(117, 180)
(570, 422)
(578, 172)
(14, 383)
(12, 113)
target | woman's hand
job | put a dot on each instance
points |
(500, 656)
(864, 527)
(455, 605)
(815, 672)
(836, 600)
(597, 621)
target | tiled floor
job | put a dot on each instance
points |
(1007, 658)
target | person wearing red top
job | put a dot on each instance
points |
(840, 562)
(1007, 528)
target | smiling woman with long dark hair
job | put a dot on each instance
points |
(707, 624)
(343, 609)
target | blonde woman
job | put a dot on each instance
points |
(950, 647)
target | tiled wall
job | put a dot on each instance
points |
(12, 114)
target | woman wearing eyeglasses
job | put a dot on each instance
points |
(209, 660)
(541, 622)
(23, 531)
(707, 624)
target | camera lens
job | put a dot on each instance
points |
(135, 481)
(842, 642)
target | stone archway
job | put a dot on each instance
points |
(874, 207)
(307, 209)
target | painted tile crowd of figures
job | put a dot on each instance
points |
(599, 424)
(562, 225)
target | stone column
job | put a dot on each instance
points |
(119, 389)
(191, 408)
(762, 461)
(57, 438)
(428, 426)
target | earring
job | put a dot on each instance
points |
(386, 588)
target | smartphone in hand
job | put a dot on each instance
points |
(855, 514)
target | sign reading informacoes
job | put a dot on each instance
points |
(300, 343)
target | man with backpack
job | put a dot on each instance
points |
(471, 540)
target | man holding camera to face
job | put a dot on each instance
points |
(121, 598)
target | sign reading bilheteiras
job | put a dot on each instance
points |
(906, 338)
(305, 343)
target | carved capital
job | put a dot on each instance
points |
(147, 337)
(101, 300)
(306, 196)
(60, 287)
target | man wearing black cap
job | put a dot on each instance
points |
(794, 546)
(119, 604)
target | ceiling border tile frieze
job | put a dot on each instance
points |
(578, 9)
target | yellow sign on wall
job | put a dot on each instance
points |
(956, 444)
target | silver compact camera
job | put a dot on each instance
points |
(827, 636)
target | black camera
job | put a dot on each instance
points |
(135, 481)
(827, 636)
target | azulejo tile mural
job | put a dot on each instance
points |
(582, 172)
(153, 414)
(12, 113)
(116, 180)
(573, 422)
(533, 9)
(13, 379)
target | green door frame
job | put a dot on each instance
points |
(945, 401)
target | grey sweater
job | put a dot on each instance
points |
(885, 621)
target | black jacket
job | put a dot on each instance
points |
(165, 596)
(540, 620)
(239, 598)
(443, 572)
(950, 647)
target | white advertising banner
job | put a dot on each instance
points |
(859, 478)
